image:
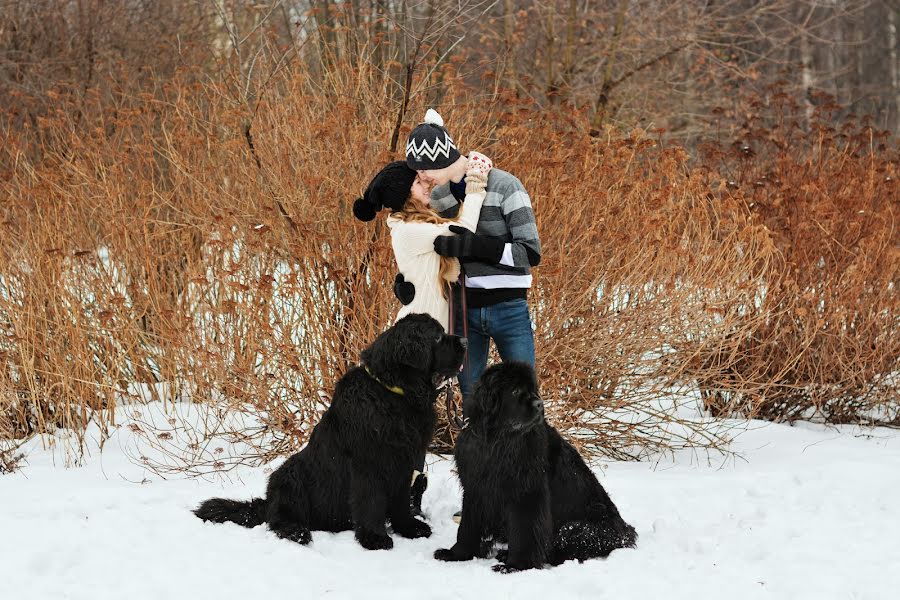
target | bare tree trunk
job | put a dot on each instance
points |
(838, 75)
(859, 91)
(288, 26)
(509, 27)
(569, 50)
(606, 85)
(404, 23)
(808, 79)
(551, 52)
(380, 34)
(331, 35)
(807, 58)
(320, 14)
(894, 38)
(440, 88)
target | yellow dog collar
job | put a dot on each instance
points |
(393, 388)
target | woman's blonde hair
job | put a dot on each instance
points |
(416, 212)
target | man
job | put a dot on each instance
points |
(496, 260)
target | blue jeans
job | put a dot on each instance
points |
(509, 325)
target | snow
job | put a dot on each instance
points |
(803, 512)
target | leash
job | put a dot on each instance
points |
(452, 417)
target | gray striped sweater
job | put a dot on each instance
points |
(507, 215)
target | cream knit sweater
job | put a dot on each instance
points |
(413, 245)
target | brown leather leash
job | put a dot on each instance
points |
(452, 417)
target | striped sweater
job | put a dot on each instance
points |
(507, 215)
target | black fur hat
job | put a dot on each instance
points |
(390, 188)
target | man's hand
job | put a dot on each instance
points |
(469, 245)
(404, 290)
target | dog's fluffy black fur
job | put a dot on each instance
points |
(355, 471)
(523, 483)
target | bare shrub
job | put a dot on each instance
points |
(825, 341)
(193, 241)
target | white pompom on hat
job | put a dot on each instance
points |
(432, 117)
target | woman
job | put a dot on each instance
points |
(414, 226)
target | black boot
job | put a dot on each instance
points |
(416, 491)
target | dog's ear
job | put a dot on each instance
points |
(414, 352)
(403, 345)
(377, 355)
(487, 397)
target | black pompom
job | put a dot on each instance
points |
(364, 211)
(404, 290)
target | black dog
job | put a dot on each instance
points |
(522, 482)
(355, 471)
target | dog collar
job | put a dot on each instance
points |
(392, 388)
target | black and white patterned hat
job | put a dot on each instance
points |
(430, 146)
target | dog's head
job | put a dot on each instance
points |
(415, 347)
(506, 397)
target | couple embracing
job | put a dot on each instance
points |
(464, 239)
(452, 219)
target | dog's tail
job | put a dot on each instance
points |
(581, 540)
(220, 510)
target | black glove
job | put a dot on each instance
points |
(404, 290)
(469, 245)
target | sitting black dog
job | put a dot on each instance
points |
(355, 471)
(523, 483)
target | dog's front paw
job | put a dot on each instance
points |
(412, 529)
(374, 541)
(504, 568)
(301, 535)
(507, 568)
(448, 555)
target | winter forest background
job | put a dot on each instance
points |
(715, 185)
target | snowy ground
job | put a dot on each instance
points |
(808, 512)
